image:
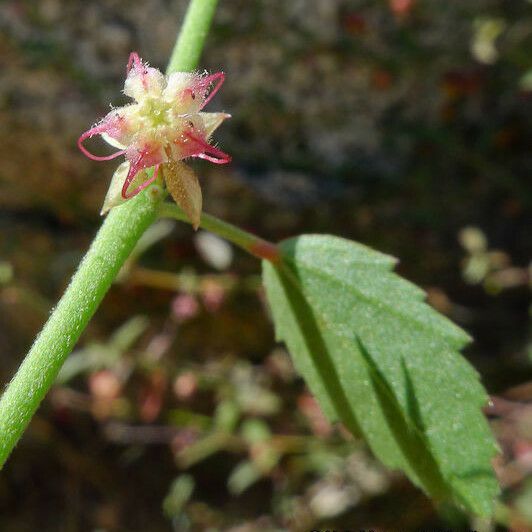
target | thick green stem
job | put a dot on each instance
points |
(111, 247)
(189, 45)
(113, 244)
(255, 245)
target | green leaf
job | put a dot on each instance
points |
(179, 494)
(385, 364)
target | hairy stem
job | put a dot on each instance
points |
(189, 45)
(114, 242)
(255, 245)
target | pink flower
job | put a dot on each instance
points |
(164, 125)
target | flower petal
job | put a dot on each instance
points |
(192, 92)
(184, 187)
(113, 198)
(140, 159)
(212, 121)
(177, 84)
(134, 168)
(205, 86)
(143, 80)
(113, 125)
(144, 184)
(198, 146)
(112, 142)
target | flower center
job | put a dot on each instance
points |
(155, 113)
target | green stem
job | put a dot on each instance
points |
(111, 247)
(255, 245)
(189, 45)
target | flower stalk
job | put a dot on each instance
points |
(114, 242)
(256, 246)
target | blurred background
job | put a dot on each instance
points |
(402, 124)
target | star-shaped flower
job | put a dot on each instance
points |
(163, 126)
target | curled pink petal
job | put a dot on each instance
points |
(96, 130)
(139, 68)
(134, 60)
(140, 188)
(203, 150)
(139, 159)
(205, 83)
(113, 124)
(217, 157)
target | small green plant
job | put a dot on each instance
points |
(376, 356)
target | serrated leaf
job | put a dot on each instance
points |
(184, 187)
(385, 364)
